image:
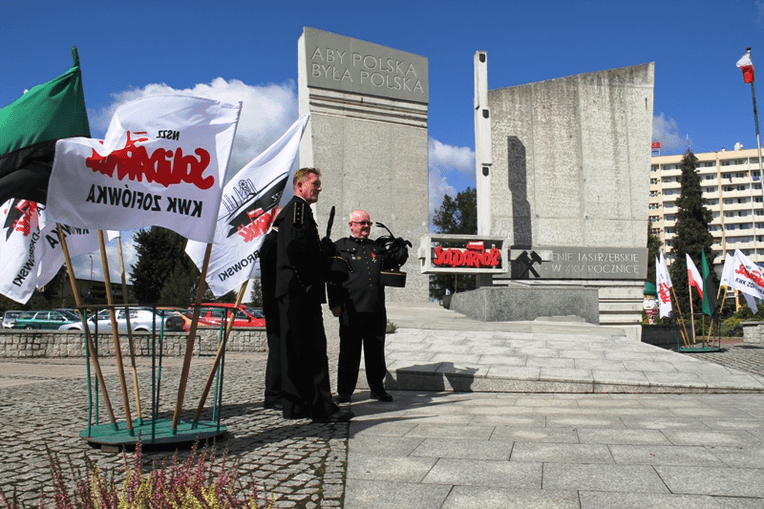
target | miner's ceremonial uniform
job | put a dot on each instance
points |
(300, 291)
(363, 318)
(271, 311)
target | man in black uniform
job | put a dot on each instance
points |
(300, 291)
(271, 311)
(360, 304)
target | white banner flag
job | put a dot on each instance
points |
(746, 276)
(163, 163)
(729, 265)
(30, 248)
(663, 286)
(248, 207)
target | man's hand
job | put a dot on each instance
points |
(328, 248)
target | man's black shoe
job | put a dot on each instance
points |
(344, 398)
(338, 416)
(381, 395)
(273, 406)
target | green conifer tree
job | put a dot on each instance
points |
(161, 257)
(692, 235)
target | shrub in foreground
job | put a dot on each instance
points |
(199, 482)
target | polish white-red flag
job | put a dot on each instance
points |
(31, 250)
(693, 276)
(746, 276)
(249, 205)
(746, 66)
(162, 162)
(663, 286)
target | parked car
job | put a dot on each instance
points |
(141, 320)
(44, 319)
(9, 317)
(181, 312)
(210, 315)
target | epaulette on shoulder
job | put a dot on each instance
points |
(298, 217)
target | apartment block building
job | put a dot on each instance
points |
(731, 186)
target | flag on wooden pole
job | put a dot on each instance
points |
(162, 162)
(693, 276)
(710, 304)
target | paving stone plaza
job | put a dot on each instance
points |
(603, 422)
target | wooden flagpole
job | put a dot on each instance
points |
(683, 332)
(191, 339)
(130, 342)
(219, 354)
(115, 331)
(692, 314)
(89, 339)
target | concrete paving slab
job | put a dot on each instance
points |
(394, 495)
(465, 472)
(710, 438)
(561, 452)
(380, 445)
(609, 500)
(463, 449)
(745, 482)
(616, 478)
(540, 434)
(467, 497)
(406, 469)
(739, 457)
(664, 455)
(622, 436)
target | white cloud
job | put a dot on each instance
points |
(666, 131)
(438, 188)
(82, 263)
(445, 159)
(450, 158)
(267, 111)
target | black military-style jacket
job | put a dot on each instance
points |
(363, 292)
(298, 251)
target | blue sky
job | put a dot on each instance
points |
(247, 50)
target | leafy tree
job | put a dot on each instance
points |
(459, 215)
(456, 216)
(692, 235)
(180, 287)
(162, 259)
(256, 295)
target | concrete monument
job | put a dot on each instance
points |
(562, 175)
(368, 135)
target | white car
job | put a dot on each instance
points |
(141, 320)
(9, 318)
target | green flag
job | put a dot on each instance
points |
(710, 304)
(29, 128)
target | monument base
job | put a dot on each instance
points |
(524, 303)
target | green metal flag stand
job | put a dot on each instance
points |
(158, 430)
(710, 342)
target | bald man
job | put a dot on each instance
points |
(359, 303)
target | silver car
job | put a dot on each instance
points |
(141, 320)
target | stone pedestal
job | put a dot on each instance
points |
(368, 136)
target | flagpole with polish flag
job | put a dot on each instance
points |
(746, 65)
(693, 279)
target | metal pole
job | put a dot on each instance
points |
(758, 145)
